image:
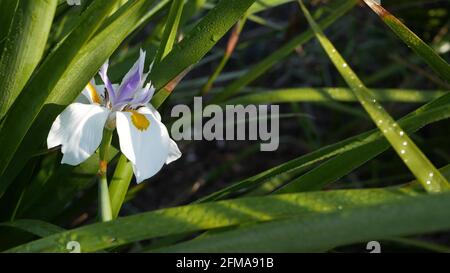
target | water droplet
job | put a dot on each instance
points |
(431, 174)
(402, 152)
(380, 121)
(215, 38)
(428, 182)
(344, 65)
(405, 143)
(402, 133)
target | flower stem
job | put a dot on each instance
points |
(119, 184)
(103, 191)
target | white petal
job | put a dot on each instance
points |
(147, 149)
(79, 129)
(151, 109)
(174, 152)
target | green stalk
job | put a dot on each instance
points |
(103, 192)
(425, 172)
(120, 183)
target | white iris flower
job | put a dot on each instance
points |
(144, 139)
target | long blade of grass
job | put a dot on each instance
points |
(335, 168)
(231, 213)
(36, 227)
(23, 47)
(322, 232)
(436, 62)
(431, 179)
(332, 94)
(262, 5)
(170, 30)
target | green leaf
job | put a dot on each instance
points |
(7, 10)
(36, 227)
(23, 47)
(262, 5)
(191, 8)
(431, 179)
(214, 215)
(170, 30)
(318, 232)
(436, 62)
(335, 168)
(333, 94)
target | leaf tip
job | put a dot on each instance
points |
(377, 8)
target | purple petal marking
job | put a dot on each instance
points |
(132, 80)
(144, 96)
(109, 87)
